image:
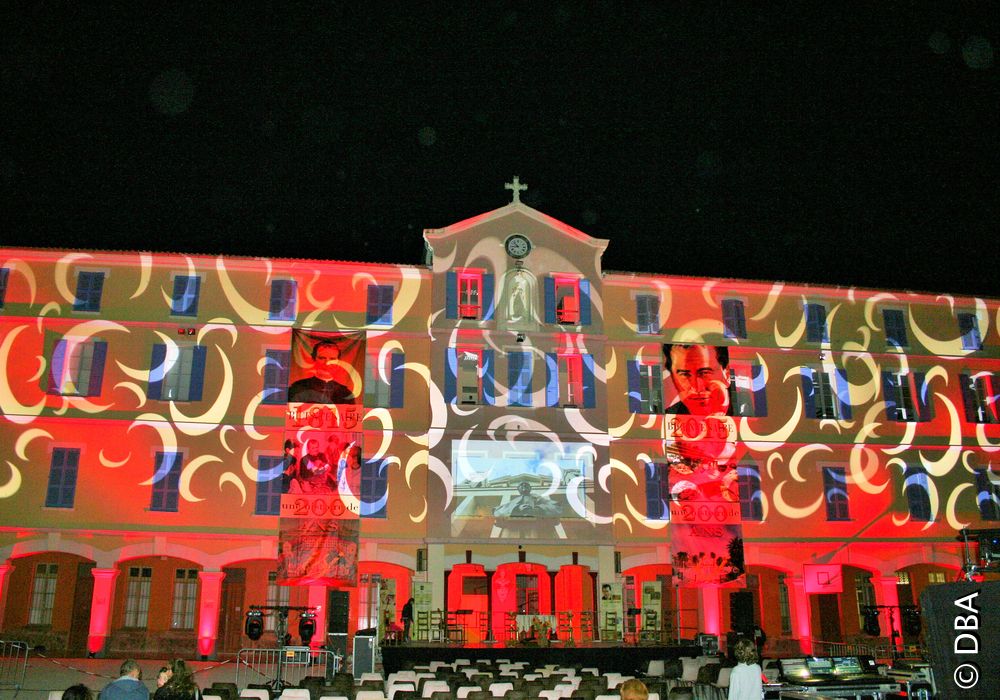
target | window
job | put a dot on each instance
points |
(816, 324)
(968, 328)
(177, 372)
(269, 471)
(282, 306)
(140, 580)
(567, 300)
(276, 363)
(895, 328)
(384, 380)
(657, 491)
(821, 398)
(4, 274)
(77, 367)
(276, 595)
(835, 491)
(526, 586)
(936, 577)
(570, 380)
(166, 472)
(62, 477)
(784, 609)
(734, 320)
(466, 293)
(988, 494)
(916, 487)
(519, 371)
(864, 594)
(184, 301)
(647, 313)
(751, 497)
(379, 309)
(979, 394)
(185, 599)
(746, 389)
(89, 286)
(645, 387)
(43, 594)
(374, 488)
(906, 396)
(469, 376)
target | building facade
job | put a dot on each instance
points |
(531, 432)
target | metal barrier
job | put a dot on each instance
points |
(13, 664)
(286, 666)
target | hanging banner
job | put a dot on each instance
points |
(319, 520)
(707, 554)
(652, 604)
(612, 612)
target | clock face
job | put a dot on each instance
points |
(518, 246)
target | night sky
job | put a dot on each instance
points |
(855, 145)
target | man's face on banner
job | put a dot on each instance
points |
(327, 355)
(702, 383)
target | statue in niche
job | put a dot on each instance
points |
(519, 295)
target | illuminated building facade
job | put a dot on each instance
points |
(524, 443)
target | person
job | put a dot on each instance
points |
(321, 387)
(162, 676)
(700, 374)
(128, 685)
(527, 506)
(745, 681)
(315, 471)
(633, 689)
(77, 692)
(180, 685)
(290, 474)
(606, 592)
(407, 618)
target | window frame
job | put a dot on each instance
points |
(567, 288)
(185, 599)
(898, 325)
(751, 495)
(734, 312)
(817, 330)
(520, 379)
(384, 389)
(44, 585)
(825, 397)
(267, 499)
(283, 304)
(968, 330)
(645, 390)
(469, 294)
(570, 380)
(987, 495)
(163, 374)
(915, 481)
(835, 496)
(138, 589)
(373, 488)
(76, 362)
(87, 296)
(647, 313)
(177, 306)
(378, 309)
(657, 491)
(62, 494)
(747, 389)
(277, 363)
(165, 490)
(4, 281)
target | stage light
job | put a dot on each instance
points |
(870, 613)
(307, 626)
(254, 626)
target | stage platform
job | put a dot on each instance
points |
(607, 656)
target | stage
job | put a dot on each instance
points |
(607, 656)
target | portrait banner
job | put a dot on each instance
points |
(318, 551)
(707, 554)
(326, 368)
(611, 609)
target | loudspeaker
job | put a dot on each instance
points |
(364, 655)
(338, 606)
(741, 612)
(962, 632)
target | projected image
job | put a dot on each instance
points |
(522, 489)
(325, 368)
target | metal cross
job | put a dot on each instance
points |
(517, 189)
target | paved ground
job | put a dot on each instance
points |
(44, 674)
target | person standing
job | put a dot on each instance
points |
(745, 681)
(128, 685)
(407, 617)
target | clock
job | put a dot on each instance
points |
(517, 246)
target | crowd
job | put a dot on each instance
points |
(173, 682)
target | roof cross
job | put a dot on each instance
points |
(517, 188)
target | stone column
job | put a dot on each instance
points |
(801, 613)
(100, 608)
(886, 593)
(709, 609)
(208, 611)
(317, 601)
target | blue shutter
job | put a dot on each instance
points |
(451, 375)
(843, 393)
(968, 399)
(551, 379)
(489, 395)
(489, 303)
(634, 398)
(654, 505)
(808, 394)
(372, 307)
(396, 378)
(584, 302)
(4, 273)
(451, 294)
(156, 371)
(895, 327)
(515, 390)
(385, 313)
(197, 373)
(589, 382)
(924, 409)
(97, 368)
(56, 366)
(733, 322)
(889, 395)
(759, 393)
(816, 323)
(550, 299)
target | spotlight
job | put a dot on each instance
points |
(307, 626)
(254, 626)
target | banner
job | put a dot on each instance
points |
(319, 520)
(612, 612)
(707, 554)
(652, 604)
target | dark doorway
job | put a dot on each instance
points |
(83, 596)
(829, 617)
(231, 610)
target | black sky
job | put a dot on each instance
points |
(850, 145)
